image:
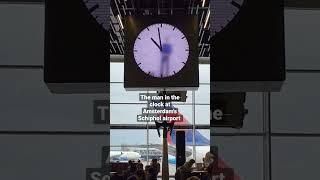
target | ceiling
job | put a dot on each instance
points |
(121, 8)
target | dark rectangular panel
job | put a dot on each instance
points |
(247, 46)
(181, 148)
(76, 46)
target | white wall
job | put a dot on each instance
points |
(26, 105)
(21, 34)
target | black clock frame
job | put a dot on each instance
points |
(186, 79)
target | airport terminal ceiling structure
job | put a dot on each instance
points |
(300, 4)
(121, 8)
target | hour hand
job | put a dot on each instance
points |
(156, 44)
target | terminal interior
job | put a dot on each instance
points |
(279, 138)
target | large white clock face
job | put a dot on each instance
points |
(161, 50)
(99, 9)
(223, 11)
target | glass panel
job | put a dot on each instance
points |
(135, 141)
(116, 72)
(119, 95)
(204, 73)
(186, 111)
(203, 114)
(127, 137)
(203, 94)
(125, 113)
(188, 99)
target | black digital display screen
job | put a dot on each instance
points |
(251, 46)
(76, 43)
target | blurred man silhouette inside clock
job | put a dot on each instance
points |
(165, 57)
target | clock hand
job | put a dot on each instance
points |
(159, 39)
(156, 44)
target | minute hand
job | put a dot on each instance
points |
(160, 39)
(156, 44)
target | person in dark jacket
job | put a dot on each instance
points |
(155, 165)
(131, 169)
(184, 171)
(152, 173)
(141, 174)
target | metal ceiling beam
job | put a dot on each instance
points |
(299, 4)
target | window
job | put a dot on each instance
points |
(129, 135)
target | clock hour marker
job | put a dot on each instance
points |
(183, 37)
(149, 73)
(174, 28)
(183, 62)
(161, 25)
(139, 64)
(174, 72)
(148, 29)
(187, 49)
(139, 38)
(235, 4)
(135, 50)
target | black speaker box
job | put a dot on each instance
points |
(181, 148)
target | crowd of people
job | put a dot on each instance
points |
(185, 172)
(136, 171)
